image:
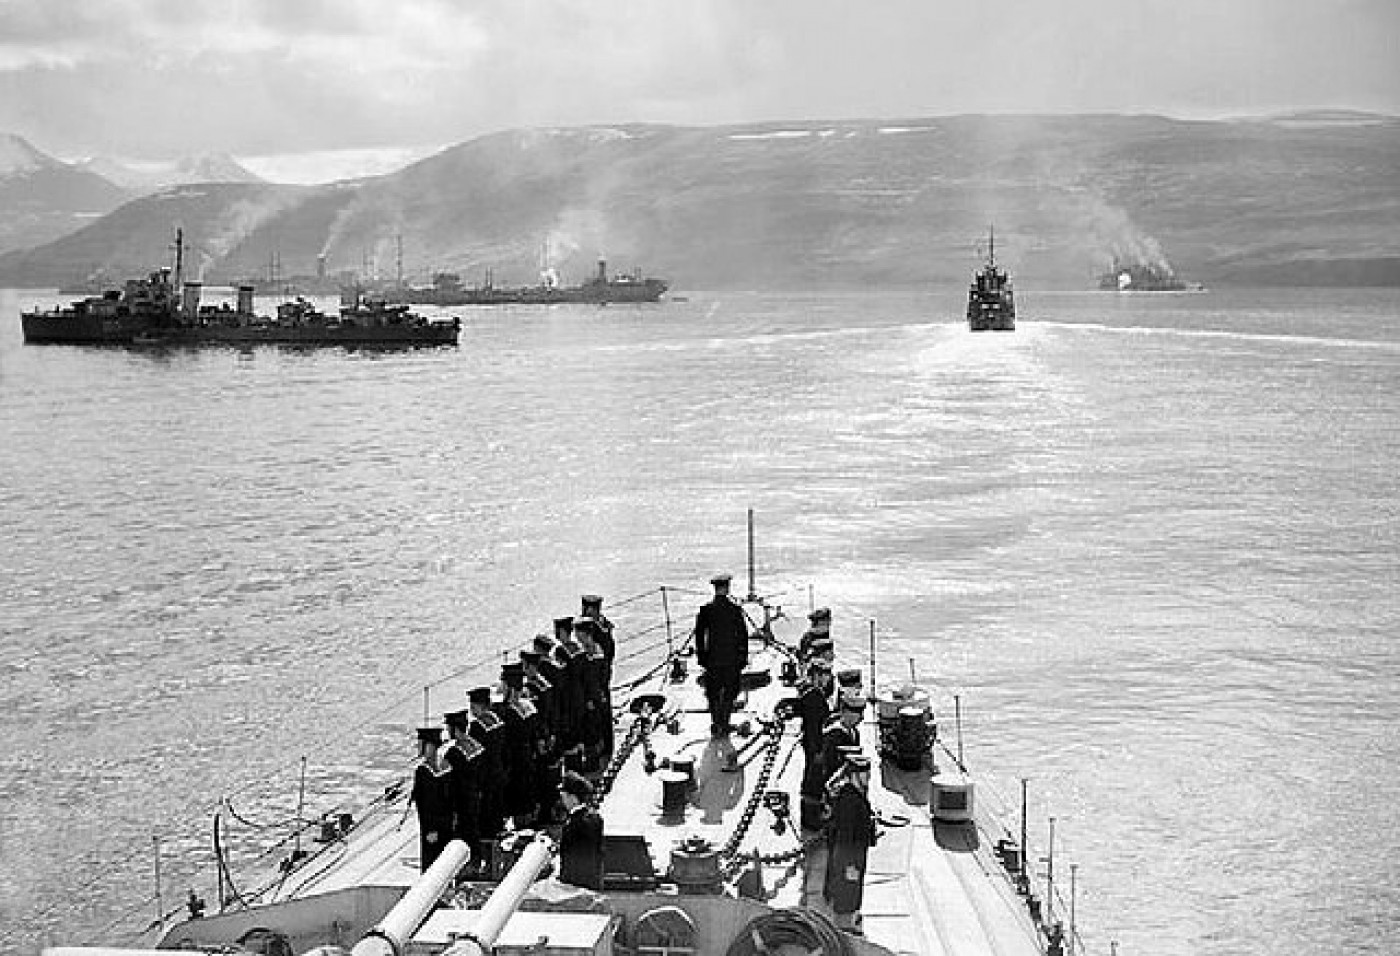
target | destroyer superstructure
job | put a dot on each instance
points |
(991, 304)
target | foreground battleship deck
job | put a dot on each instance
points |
(931, 888)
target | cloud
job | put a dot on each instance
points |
(166, 77)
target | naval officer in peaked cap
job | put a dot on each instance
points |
(722, 649)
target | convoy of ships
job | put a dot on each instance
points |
(165, 309)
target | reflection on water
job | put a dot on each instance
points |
(1151, 543)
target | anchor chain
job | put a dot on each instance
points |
(635, 735)
(770, 757)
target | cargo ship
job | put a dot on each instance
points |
(161, 309)
(991, 304)
(715, 840)
(448, 290)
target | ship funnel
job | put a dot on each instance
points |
(320, 267)
(245, 300)
(602, 270)
(189, 305)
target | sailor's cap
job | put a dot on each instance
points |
(563, 625)
(430, 735)
(591, 600)
(576, 785)
(543, 643)
(456, 718)
(820, 614)
(529, 657)
(722, 578)
(479, 695)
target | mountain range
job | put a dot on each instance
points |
(1307, 198)
(43, 198)
(141, 179)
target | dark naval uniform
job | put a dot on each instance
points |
(814, 709)
(518, 747)
(849, 836)
(486, 729)
(722, 649)
(464, 787)
(581, 848)
(429, 797)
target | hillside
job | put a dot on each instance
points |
(42, 198)
(836, 204)
(139, 180)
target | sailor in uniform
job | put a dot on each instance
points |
(429, 797)
(814, 710)
(850, 834)
(592, 609)
(842, 730)
(581, 840)
(722, 649)
(461, 756)
(545, 770)
(518, 730)
(597, 703)
(818, 630)
(569, 656)
(486, 729)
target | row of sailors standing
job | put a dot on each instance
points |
(516, 749)
(836, 773)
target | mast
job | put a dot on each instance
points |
(398, 259)
(991, 245)
(179, 256)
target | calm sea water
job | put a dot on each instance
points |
(1153, 544)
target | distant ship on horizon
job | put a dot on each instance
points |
(991, 304)
(1144, 277)
(448, 290)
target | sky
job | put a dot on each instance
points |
(298, 87)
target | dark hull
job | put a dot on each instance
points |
(85, 330)
(80, 329)
(433, 334)
(649, 290)
(991, 313)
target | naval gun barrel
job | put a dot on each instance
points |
(504, 901)
(391, 935)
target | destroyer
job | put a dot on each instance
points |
(161, 309)
(991, 305)
(703, 854)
